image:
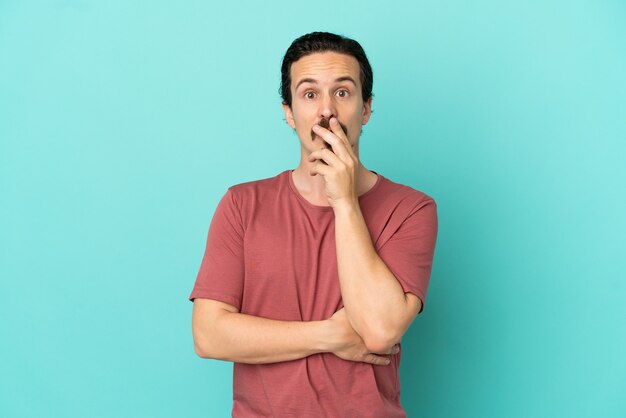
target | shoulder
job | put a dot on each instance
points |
(264, 183)
(404, 194)
(257, 190)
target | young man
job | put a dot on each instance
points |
(310, 278)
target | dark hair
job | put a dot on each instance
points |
(322, 42)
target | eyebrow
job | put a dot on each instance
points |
(337, 80)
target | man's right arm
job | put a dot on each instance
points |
(221, 332)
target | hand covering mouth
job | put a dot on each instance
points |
(325, 123)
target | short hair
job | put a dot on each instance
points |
(315, 42)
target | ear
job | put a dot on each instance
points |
(289, 115)
(367, 111)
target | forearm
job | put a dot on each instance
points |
(245, 338)
(375, 302)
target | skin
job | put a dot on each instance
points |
(375, 304)
(325, 98)
(376, 311)
(324, 123)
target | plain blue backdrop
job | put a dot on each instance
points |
(122, 123)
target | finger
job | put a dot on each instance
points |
(337, 145)
(324, 155)
(320, 168)
(335, 126)
(377, 360)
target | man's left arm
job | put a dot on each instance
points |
(375, 302)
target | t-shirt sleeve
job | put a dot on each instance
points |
(409, 251)
(221, 272)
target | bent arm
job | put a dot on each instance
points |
(377, 306)
(222, 333)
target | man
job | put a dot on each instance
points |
(310, 278)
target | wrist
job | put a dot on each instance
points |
(326, 341)
(346, 208)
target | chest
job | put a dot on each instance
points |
(290, 266)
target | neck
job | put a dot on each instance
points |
(314, 186)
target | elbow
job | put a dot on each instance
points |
(206, 335)
(381, 341)
(381, 335)
(200, 347)
(200, 334)
(206, 345)
(200, 350)
(206, 350)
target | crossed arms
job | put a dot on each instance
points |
(376, 313)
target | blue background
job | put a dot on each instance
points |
(122, 124)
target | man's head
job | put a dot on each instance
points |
(324, 42)
(326, 75)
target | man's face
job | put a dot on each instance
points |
(324, 85)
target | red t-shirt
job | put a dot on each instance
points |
(271, 253)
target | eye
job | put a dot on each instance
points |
(309, 95)
(343, 93)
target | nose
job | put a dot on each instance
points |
(327, 106)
